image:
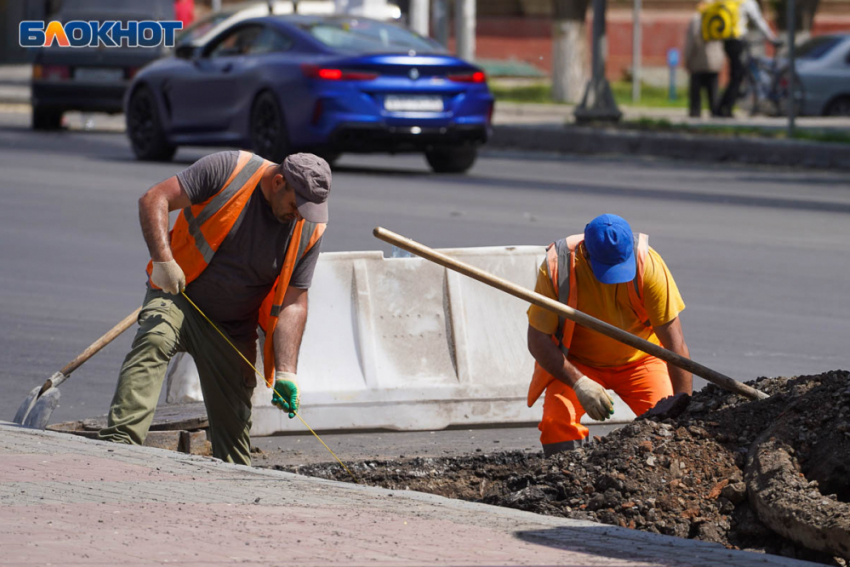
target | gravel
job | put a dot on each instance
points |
(680, 477)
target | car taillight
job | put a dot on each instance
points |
(51, 72)
(476, 77)
(327, 74)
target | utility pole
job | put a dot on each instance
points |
(440, 17)
(636, 52)
(598, 103)
(419, 17)
(791, 18)
(465, 29)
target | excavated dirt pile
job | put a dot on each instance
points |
(688, 476)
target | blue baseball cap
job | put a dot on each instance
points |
(610, 243)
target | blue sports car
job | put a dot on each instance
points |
(328, 85)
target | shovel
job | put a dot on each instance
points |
(580, 318)
(38, 406)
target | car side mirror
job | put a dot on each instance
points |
(185, 51)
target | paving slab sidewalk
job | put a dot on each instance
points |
(65, 500)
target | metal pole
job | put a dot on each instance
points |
(636, 52)
(598, 57)
(598, 102)
(465, 29)
(216, 5)
(792, 101)
(419, 17)
(440, 17)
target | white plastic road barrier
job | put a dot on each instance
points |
(402, 343)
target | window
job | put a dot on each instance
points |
(198, 29)
(817, 47)
(367, 36)
(270, 41)
(235, 42)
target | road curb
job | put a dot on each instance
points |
(583, 140)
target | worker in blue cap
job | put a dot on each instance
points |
(613, 275)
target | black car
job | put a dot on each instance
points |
(91, 78)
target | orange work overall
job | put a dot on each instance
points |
(200, 230)
(640, 384)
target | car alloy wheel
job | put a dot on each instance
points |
(268, 131)
(140, 122)
(840, 107)
(144, 129)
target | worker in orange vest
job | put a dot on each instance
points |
(244, 248)
(612, 275)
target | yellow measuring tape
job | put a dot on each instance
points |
(254, 368)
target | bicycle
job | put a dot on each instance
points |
(766, 88)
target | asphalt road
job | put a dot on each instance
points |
(760, 254)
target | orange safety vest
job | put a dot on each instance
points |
(561, 265)
(200, 230)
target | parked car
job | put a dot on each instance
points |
(823, 66)
(329, 85)
(90, 78)
(213, 24)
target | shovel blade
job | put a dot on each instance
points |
(26, 407)
(43, 408)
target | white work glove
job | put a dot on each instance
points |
(168, 276)
(594, 399)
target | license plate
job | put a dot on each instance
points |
(99, 74)
(396, 103)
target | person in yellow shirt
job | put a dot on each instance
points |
(612, 275)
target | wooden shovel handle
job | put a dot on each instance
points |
(93, 349)
(580, 318)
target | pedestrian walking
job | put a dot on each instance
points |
(727, 21)
(703, 61)
(244, 248)
(612, 275)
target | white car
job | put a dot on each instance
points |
(207, 28)
(823, 65)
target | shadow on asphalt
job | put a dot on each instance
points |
(795, 180)
(596, 540)
(661, 195)
(386, 171)
(656, 194)
(113, 146)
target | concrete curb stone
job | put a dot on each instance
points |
(584, 140)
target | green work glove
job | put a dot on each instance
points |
(286, 395)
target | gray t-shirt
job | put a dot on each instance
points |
(242, 272)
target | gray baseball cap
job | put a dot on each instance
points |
(310, 176)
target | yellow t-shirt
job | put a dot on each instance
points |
(610, 303)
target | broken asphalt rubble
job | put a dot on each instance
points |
(767, 475)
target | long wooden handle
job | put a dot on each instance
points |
(580, 318)
(93, 349)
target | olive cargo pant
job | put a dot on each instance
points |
(168, 324)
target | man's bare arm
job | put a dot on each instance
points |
(550, 358)
(290, 330)
(672, 338)
(154, 207)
